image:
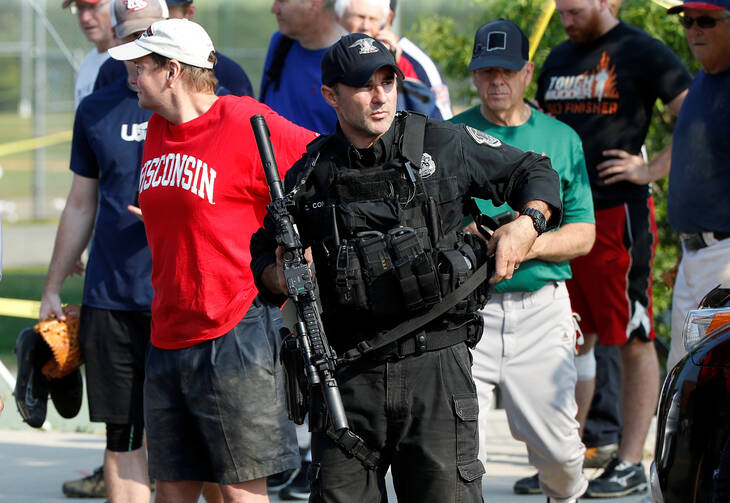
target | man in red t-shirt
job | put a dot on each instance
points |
(213, 407)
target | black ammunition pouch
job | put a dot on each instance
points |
(416, 273)
(385, 274)
(295, 378)
(349, 280)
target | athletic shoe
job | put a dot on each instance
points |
(620, 478)
(91, 486)
(298, 488)
(279, 480)
(527, 485)
(598, 457)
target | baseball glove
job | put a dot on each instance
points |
(63, 339)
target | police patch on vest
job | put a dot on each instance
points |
(483, 138)
(428, 167)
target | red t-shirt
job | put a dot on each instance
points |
(203, 193)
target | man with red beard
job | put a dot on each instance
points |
(603, 82)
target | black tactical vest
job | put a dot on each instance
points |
(378, 246)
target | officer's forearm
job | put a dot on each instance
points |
(542, 207)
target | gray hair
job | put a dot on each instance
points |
(341, 6)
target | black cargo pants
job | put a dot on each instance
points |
(420, 412)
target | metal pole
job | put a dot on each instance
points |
(25, 108)
(39, 117)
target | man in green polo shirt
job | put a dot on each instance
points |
(529, 336)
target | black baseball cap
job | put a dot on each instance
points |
(177, 3)
(500, 44)
(354, 58)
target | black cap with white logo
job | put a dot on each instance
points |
(500, 44)
(354, 59)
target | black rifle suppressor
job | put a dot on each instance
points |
(319, 359)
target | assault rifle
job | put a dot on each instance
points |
(308, 351)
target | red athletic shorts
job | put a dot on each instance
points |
(611, 286)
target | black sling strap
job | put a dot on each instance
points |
(273, 74)
(412, 136)
(409, 326)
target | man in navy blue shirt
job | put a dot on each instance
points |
(699, 187)
(109, 132)
(231, 77)
(291, 84)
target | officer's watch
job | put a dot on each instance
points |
(538, 219)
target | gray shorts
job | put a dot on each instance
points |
(216, 411)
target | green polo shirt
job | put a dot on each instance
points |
(547, 136)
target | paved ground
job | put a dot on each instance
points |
(27, 245)
(34, 463)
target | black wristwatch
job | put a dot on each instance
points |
(538, 219)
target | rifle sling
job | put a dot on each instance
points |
(355, 446)
(409, 326)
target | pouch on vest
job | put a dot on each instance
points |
(349, 281)
(366, 215)
(382, 283)
(456, 266)
(416, 272)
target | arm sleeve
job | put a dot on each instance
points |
(83, 160)
(503, 173)
(668, 74)
(577, 196)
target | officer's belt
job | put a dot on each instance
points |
(383, 339)
(418, 344)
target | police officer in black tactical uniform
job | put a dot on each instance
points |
(380, 202)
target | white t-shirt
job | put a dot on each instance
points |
(86, 77)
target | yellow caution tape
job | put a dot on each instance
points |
(542, 23)
(19, 308)
(15, 147)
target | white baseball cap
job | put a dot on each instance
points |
(178, 39)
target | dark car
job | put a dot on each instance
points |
(692, 452)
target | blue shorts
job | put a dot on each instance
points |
(216, 411)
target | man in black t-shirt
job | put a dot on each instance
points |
(604, 82)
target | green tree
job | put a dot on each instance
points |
(449, 42)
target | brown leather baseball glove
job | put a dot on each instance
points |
(63, 339)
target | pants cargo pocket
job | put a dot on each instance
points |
(466, 410)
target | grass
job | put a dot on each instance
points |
(27, 283)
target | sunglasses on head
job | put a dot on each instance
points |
(702, 21)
